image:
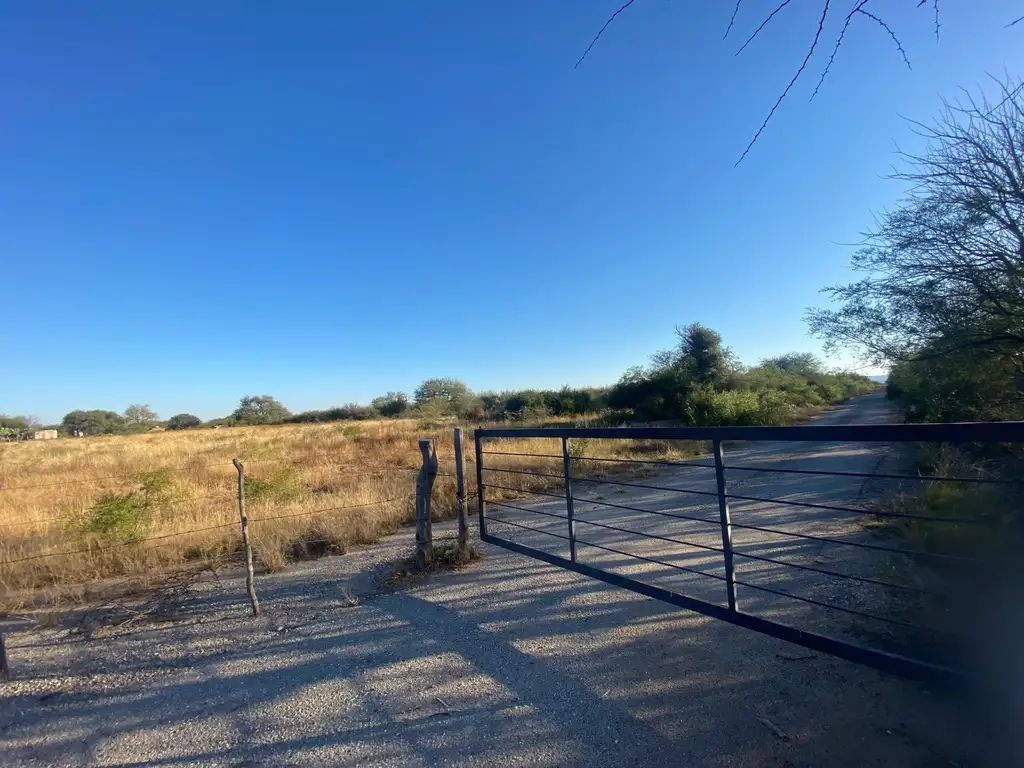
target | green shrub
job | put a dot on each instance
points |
(183, 421)
(120, 516)
(969, 385)
(93, 422)
(282, 485)
(708, 408)
(125, 516)
(567, 401)
(349, 412)
(391, 404)
(773, 409)
(156, 485)
(260, 409)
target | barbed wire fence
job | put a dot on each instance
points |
(114, 529)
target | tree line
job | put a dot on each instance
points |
(699, 381)
(941, 299)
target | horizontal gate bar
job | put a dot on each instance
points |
(889, 662)
(1001, 431)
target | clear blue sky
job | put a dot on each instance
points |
(326, 200)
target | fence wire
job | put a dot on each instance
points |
(573, 486)
(124, 477)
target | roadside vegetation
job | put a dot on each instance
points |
(137, 496)
(941, 302)
(697, 382)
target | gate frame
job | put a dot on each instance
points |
(862, 433)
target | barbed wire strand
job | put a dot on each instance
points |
(122, 545)
(133, 477)
(164, 505)
(184, 468)
(328, 509)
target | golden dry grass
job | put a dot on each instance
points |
(311, 489)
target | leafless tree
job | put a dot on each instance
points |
(139, 414)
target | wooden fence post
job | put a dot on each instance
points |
(460, 498)
(424, 485)
(250, 585)
(5, 671)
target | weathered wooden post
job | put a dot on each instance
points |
(250, 579)
(424, 486)
(5, 671)
(460, 498)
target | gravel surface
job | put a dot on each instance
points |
(507, 663)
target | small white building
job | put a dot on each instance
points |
(45, 434)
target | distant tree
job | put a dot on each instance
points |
(444, 394)
(710, 362)
(347, 412)
(804, 364)
(699, 361)
(93, 422)
(260, 409)
(391, 404)
(223, 421)
(183, 421)
(139, 414)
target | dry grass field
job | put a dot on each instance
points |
(78, 515)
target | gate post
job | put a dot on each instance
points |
(723, 512)
(480, 485)
(424, 485)
(569, 511)
(460, 496)
(250, 579)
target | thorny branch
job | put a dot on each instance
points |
(839, 42)
(601, 31)
(887, 28)
(792, 82)
(858, 9)
(763, 24)
(732, 19)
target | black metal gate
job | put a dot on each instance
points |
(669, 534)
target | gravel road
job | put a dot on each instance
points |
(507, 663)
(617, 503)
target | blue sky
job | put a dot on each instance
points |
(326, 200)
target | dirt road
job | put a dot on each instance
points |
(510, 662)
(616, 506)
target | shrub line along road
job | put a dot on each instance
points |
(510, 662)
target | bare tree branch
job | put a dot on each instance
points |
(792, 82)
(601, 31)
(764, 23)
(887, 28)
(835, 48)
(858, 8)
(732, 19)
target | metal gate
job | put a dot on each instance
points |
(748, 556)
